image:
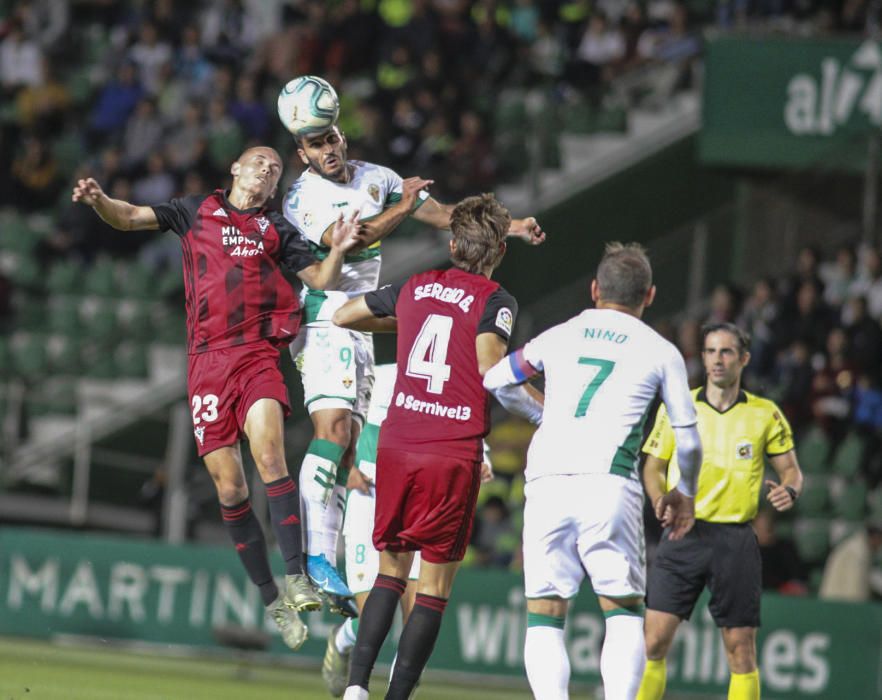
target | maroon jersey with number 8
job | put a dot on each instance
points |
(439, 404)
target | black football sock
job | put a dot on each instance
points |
(284, 510)
(373, 626)
(247, 535)
(416, 644)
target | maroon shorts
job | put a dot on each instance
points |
(223, 384)
(425, 502)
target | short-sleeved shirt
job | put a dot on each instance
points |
(734, 444)
(235, 289)
(603, 369)
(313, 203)
(439, 403)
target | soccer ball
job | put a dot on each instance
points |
(307, 105)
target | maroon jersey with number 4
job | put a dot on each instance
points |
(236, 292)
(439, 405)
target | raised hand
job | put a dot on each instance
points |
(347, 233)
(677, 512)
(528, 230)
(87, 191)
(410, 189)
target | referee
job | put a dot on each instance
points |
(737, 431)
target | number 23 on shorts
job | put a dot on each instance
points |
(204, 408)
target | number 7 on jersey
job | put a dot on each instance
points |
(604, 368)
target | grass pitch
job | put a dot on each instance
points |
(36, 670)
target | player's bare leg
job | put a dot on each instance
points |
(318, 480)
(659, 630)
(264, 428)
(225, 467)
(740, 643)
(545, 653)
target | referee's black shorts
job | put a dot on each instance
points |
(722, 556)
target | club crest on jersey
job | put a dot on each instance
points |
(347, 382)
(744, 450)
(263, 224)
(200, 434)
(307, 219)
(374, 192)
(504, 320)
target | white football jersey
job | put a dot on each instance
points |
(602, 369)
(381, 393)
(313, 203)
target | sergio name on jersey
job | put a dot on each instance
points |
(602, 369)
(313, 203)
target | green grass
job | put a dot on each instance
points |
(35, 670)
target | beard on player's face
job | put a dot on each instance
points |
(330, 162)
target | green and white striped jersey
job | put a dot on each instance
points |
(603, 368)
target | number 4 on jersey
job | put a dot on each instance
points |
(427, 359)
(604, 367)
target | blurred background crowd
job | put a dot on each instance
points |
(155, 100)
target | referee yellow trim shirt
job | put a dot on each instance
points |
(734, 444)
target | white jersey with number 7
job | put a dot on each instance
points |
(603, 368)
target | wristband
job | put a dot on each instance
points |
(792, 492)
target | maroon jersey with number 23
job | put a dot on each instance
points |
(439, 405)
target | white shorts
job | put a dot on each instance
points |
(584, 523)
(336, 367)
(362, 560)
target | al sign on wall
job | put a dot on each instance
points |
(790, 102)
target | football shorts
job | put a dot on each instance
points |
(578, 524)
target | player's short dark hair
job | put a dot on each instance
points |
(479, 226)
(741, 336)
(624, 274)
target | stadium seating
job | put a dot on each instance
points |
(812, 539)
(813, 449)
(849, 455)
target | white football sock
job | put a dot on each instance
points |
(623, 656)
(332, 521)
(356, 692)
(318, 472)
(547, 663)
(346, 635)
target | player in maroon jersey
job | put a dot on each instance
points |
(453, 325)
(240, 311)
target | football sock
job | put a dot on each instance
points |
(345, 639)
(333, 516)
(655, 677)
(284, 516)
(744, 686)
(624, 653)
(318, 476)
(416, 644)
(247, 535)
(374, 624)
(545, 657)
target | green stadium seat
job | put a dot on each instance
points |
(56, 395)
(64, 354)
(131, 360)
(6, 357)
(98, 361)
(816, 575)
(101, 278)
(25, 273)
(812, 539)
(851, 502)
(874, 500)
(849, 455)
(815, 498)
(63, 315)
(30, 312)
(99, 319)
(64, 278)
(577, 118)
(69, 151)
(612, 119)
(813, 450)
(172, 329)
(136, 320)
(137, 282)
(16, 235)
(29, 356)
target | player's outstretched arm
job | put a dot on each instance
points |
(357, 316)
(123, 216)
(507, 381)
(782, 496)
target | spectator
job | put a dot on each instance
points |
(725, 304)
(116, 101)
(808, 318)
(143, 134)
(20, 60)
(156, 186)
(792, 382)
(758, 317)
(495, 538)
(783, 571)
(864, 334)
(42, 107)
(600, 49)
(847, 572)
(149, 55)
(833, 384)
(185, 144)
(689, 343)
(249, 110)
(839, 276)
(35, 176)
(869, 284)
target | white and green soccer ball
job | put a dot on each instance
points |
(308, 105)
